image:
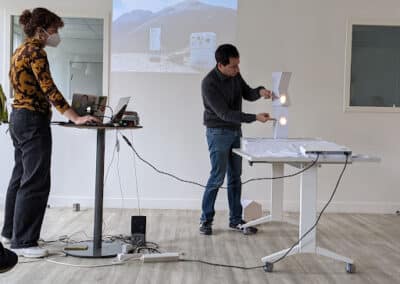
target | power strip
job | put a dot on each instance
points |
(158, 257)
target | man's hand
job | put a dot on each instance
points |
(267, 94)
(263, 117)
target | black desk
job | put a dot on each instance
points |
(97, 248)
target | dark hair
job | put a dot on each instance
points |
(39, 17)
(224, 52)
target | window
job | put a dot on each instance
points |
(85, 41)
(373, 67)
(77, 63)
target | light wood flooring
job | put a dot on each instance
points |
(373, 241)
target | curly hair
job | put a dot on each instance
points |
(39, 17)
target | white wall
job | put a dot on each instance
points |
(306, 37)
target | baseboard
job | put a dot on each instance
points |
(195, 204)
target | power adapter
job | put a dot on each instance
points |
(126, 248)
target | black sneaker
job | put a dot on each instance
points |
(244, 230)
(205, 228)
(8, 259)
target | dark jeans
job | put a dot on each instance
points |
(29, 186)
(223, 161)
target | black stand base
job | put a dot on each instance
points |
(108, 249)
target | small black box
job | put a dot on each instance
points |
(138, 230)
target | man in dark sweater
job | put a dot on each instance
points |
(222, 90)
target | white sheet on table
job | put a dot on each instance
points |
(267, 147)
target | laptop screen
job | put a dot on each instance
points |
(120, 109)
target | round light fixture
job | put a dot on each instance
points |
(283, 99)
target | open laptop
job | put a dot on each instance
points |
(84, 104)
(119, 110)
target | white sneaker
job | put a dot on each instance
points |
(31, 252)
(5, 241)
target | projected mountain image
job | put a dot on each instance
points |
(181, 38)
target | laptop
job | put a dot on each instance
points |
(95, 105)
(84, 104)
(120, 109)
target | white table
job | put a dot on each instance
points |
(308, 199)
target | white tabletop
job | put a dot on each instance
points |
(269, 150)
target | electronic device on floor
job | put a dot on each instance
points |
(138, 230)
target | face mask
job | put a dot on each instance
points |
(53, 39)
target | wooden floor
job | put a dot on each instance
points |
(373, 241)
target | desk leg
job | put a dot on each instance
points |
(308, 215)
(308, 209)
(98, 203)
(276, 198)
(277, 192)
(98, 248)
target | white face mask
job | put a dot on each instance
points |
(53, 40)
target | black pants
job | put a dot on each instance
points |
(29, 186)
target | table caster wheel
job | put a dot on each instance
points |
(268, 267)
(350, 268)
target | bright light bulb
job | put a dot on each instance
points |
(282, 121)
(283, 99)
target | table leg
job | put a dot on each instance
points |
(308, 215)
(97, 248)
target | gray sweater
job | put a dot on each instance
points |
(222, 99)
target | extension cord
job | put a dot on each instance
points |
(158, 257)
(121, 257)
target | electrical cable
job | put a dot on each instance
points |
(116, 146)
(113, 263)
(119, 176)
(287, 176)
(154, 168)
(111, 109)
(106, 106)
(51, 260)
(203, 186)
(136, 179)
(221, 265)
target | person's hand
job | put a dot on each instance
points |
(263, 117)
(86, 119)
(274, 96)
(267, 94)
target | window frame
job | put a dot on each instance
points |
(348, 57)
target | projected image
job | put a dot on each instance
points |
(176, 36)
